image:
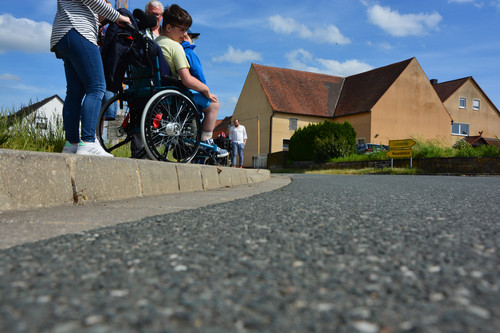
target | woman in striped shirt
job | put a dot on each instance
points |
(74, 40)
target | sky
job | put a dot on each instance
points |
(450, 39)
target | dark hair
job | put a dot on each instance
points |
(175, 15)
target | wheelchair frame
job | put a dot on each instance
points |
(170, 122)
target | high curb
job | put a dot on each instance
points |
(34, 179)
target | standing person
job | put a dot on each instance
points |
(154, 7)
(74, 40)
(176, 22)
(238, 137)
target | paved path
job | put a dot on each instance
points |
(323, 254)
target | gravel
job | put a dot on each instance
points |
(326, 253)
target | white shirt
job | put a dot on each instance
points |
(238, 134)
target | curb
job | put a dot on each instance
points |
(35, 179)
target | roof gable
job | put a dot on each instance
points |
(362, 91)
(299, 92)
(34, 107)
(446, 89)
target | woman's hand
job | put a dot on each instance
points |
(123, 20)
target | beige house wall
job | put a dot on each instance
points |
(254, 112)
(281, 127)
(410, 108)
(486, 119)
(362, 125)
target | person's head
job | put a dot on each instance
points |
(176, 22)
(236, 122)
(154, 7)
(193, 35)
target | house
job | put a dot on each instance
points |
(392, 102)
(44, 113)
(469, 107)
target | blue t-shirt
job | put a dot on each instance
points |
(196, 70)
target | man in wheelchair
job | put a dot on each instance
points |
(176, 22)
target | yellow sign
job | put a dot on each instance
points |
(400, 153)
(401, 144)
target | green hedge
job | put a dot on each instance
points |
(323, 141)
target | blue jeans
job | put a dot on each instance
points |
(110, 113)
(85, 85)
(238, 150)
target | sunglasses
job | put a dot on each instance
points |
(184, 30)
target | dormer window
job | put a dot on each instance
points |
(476, 104)
(462, 104)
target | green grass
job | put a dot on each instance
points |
(24, 134)
(366, 171)
(430, 149)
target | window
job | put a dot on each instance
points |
(476, 104)
(463, 103)
(460, 129)
(286, 144)
(41, 122)
(360, 141)
(292, 124)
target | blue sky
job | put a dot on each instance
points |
(451, 39)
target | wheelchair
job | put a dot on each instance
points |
(160, 120)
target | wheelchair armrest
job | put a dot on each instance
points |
(172, 81)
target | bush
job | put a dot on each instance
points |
(322, 141)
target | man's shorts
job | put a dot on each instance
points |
(200, 100)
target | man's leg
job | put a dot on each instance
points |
(235, 151)
(241, 147)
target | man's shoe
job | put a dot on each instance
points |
(92, 149)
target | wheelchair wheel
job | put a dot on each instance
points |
(115, 135)
(170, 127)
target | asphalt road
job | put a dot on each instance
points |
(323, 254)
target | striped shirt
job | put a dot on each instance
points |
(80, 15)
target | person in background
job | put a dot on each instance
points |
(176, 22)
(74, 40)
(194, 62)
(238, 137)
(154, 7)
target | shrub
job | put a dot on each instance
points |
(322, 141)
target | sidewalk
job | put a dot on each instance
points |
(22, 226)
(44, 195)
(34, 180)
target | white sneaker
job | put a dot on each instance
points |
(70, 148)
(94, 148)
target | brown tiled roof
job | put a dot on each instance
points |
(446, 89)
(221, 125)
(362, 91)
(299, 92)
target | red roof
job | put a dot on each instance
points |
(362, 91)
(299, 92)
(446, 89)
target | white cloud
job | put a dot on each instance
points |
(9, 77)
(476, 3)
(326, 34)
(300, 59)
(22, 34)
(401, 25)
(238, 56)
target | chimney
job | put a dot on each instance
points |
(434, 81)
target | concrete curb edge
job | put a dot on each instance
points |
(34, 179)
